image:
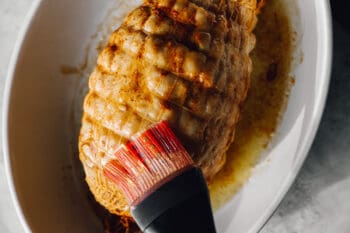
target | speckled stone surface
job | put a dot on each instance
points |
(318, 202)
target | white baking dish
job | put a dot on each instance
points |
(37, 130)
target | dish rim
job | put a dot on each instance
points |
(325, 65)
(6, 107)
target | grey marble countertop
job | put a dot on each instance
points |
(318, 200)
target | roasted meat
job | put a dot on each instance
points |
(184, 61)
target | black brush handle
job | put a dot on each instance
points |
(180, 205)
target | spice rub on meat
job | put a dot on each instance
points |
(184, 61)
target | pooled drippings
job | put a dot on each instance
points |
(270, 85)
(271, 82)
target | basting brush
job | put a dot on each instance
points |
(166, 192)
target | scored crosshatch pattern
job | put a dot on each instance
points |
(196, 80)
(314, 204)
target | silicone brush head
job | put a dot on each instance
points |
(149, 160)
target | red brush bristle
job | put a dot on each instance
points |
(147, 161)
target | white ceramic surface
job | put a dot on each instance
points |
(39, 100)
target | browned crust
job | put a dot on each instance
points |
(174, 60)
